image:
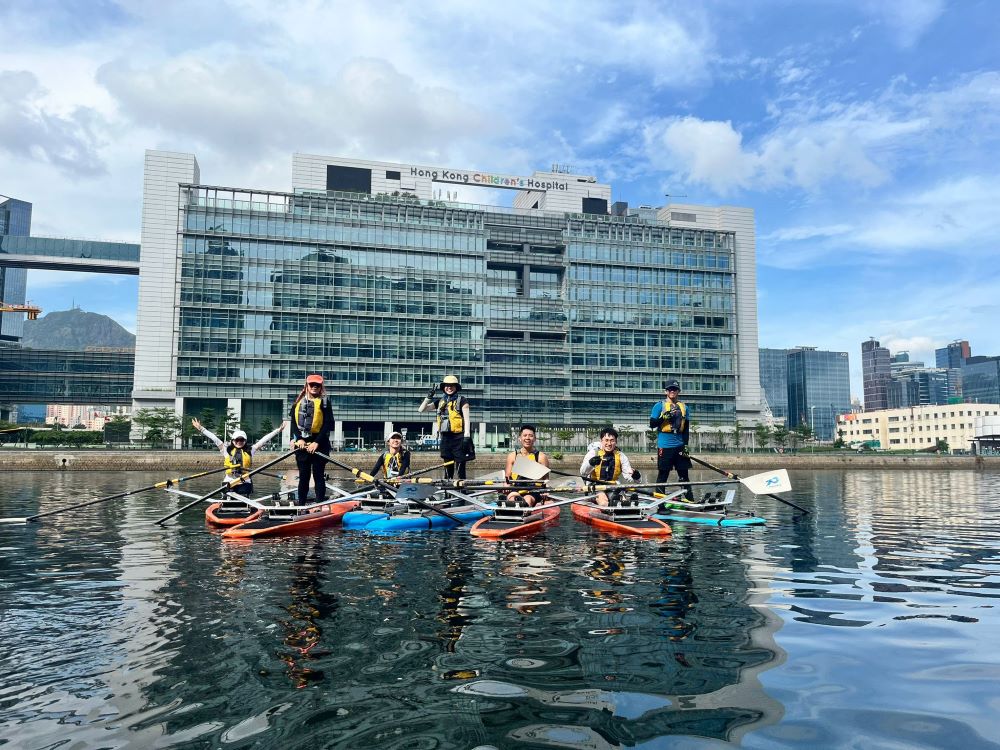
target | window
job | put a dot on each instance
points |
(391, 175)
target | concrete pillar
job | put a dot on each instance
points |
(338, 434)
(386, 430)
(179, 411)
(236, 405)
(482, 435)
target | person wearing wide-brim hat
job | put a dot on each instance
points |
(454, 425)
(312, 420)
(395, 461)
(672, 421)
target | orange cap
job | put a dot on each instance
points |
(314, 379)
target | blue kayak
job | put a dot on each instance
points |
(713, 519)
(424, 521)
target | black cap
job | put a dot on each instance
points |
(671, 385)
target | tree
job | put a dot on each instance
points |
(942, 445)
(737, 435)
(839, 442)
(118, 429)
(762, 434)
(803, 432)
(160, 425)
(780, 436)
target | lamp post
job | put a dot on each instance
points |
(812, 425)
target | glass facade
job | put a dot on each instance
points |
(564, 319)
(875, 369)
(15, 221)
(774, 380)
(920, 387)
(819, 389)
(981, 381)
(66, 377)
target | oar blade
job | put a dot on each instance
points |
(525, 468)
(768, 482)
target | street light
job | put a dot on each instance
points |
(812, 425)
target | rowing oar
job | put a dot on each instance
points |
(226, 486)
(377, 482)
(418, 473)
(731, 475)
(158, 485)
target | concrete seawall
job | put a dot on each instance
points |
(191, 461)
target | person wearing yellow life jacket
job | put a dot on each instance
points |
(605, 463)
(526, 437)
(395, 461)
(312, 420)
(237, 456)
(672, 420)
(454, 426)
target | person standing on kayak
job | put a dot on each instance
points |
(454, 426)
(312, 419)
(605, 463)
(526, 437)
(395, 461)
(672, 419)
(237, 457)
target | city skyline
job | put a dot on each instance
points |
(858, 133)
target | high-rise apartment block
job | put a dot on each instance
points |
(15, 221)
(875, 370)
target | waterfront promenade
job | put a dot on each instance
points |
(135, 460)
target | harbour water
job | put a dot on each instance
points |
(870, 623)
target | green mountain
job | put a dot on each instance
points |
(75, 329)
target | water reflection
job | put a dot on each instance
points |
(119, 633)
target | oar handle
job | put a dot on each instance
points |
(356, 472)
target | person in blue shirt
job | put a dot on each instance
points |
(673, 421)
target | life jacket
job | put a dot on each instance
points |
(668, 422)
(392, 464)
(610, 467)
(450, 409)
(238, 461)
(533, 456)
(309, 415)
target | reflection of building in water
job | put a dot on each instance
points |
(903, 515)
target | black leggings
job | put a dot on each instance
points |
(311, 465)
(671, 458)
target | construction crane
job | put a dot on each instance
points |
(32, 311)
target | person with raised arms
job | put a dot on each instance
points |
(671, 418)
(237, 457)
(395, 461)
(605, 463)
(526, 437)
(312, 419)
(454, 425)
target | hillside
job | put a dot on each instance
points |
(75, 329)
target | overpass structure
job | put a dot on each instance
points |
(57, 254)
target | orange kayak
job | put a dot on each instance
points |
(277, 525)
(606, 520)
(230, 514)
(511, 526)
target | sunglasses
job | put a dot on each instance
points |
(315, 385)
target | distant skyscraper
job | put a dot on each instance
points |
(774, 380)
(921, 386)
(819, 388)
(875, 374)
(953, 355)
(981, 380)
(15, 219)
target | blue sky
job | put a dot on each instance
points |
(864, 134)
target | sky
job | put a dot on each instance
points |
(864, 134)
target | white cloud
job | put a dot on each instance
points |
(30, 130)
(907, 20)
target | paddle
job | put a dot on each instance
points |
(226, 486)
(404, 477)
(158, 485)
(772, 486)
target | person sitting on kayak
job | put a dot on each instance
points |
(605, 463)
(526, 437)
(395, 461)
(238, 458)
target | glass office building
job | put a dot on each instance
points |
(15, 220)
(564, 317)
(774, 381)
(819, 389)
(981, 381)
(65, 377)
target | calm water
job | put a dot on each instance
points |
(871, 623)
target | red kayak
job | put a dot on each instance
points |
(290, 520)
(230, 514)
(508, 523)
(622, 519)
